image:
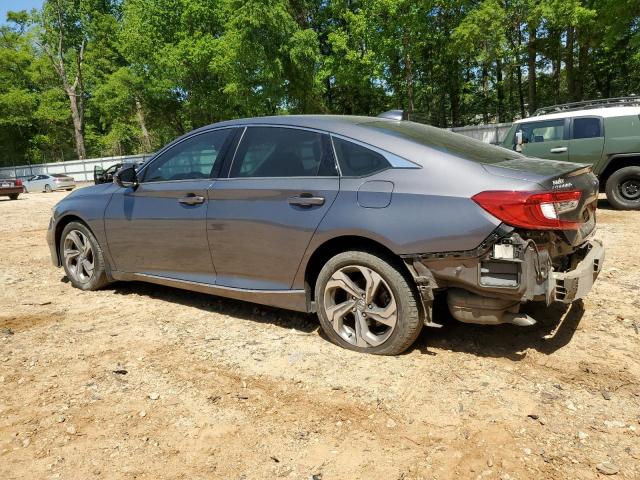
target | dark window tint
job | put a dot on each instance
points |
(547, 131)
(282, 152)
(444, 141)
(358, 161)
(194, 158)
(586, 128)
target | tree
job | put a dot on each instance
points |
(100, 77)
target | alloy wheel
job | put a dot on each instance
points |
(78, 256)
(360, 306)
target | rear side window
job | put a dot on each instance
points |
(358, 161)
(547, 131)
(283, 152)
(586, 128)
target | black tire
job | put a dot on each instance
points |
(623, 188)
(99, 278)
(14, 196)
(47, 188)
(409, 310)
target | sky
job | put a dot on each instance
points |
(8, 5)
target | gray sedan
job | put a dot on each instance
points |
(49, 183)
(362, 220)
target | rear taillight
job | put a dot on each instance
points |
(18, 183)
(531, 210)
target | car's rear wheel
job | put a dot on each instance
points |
(47, 188)
(623, 188)
(82, 257)
(14, 196)
(367, 304)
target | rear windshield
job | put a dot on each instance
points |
(58, 175)
(445, 141)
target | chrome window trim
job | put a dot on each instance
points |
(394, 160)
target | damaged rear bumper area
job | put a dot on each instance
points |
(488, 285)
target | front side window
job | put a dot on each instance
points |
(586, 128)
(197, 157)
(283, 152)
(547, 131)
(358, 161)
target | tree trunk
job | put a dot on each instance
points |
(485, 93)
(77, 115)
(555, 66)
(408, 74)
(146, 138)
(454, 93)
(519, 72)
(500, 90)
(583, 62)
(531, 50)
(571, 75)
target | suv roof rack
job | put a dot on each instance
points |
(602, 103)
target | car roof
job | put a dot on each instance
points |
(397, 137)
(332, 123)
(606, 112)
(351, 126)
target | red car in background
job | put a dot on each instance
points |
(10, 187)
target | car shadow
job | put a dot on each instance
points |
(7, 199)
(306, 323)
(554, 329)
(603, 204)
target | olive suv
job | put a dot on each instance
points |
(604, 133)
(362, 220)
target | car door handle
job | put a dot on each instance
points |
(191, 199)
(558, 150)
(305, 200)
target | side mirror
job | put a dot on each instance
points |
(126, 177)
(519, 141)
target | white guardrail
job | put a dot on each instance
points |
(82, 170)
(492, 133)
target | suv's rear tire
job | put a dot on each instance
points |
(14, 196)
(342, 309)
(623, 188)
(77, 244)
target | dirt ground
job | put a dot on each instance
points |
(139, 381)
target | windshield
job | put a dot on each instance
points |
(5, 175)
(445, 141)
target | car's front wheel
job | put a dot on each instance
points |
(82, 257)
(367, 304)
(623, 188)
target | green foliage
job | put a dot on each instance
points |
(150, 70)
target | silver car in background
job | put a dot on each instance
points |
(49, 183)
